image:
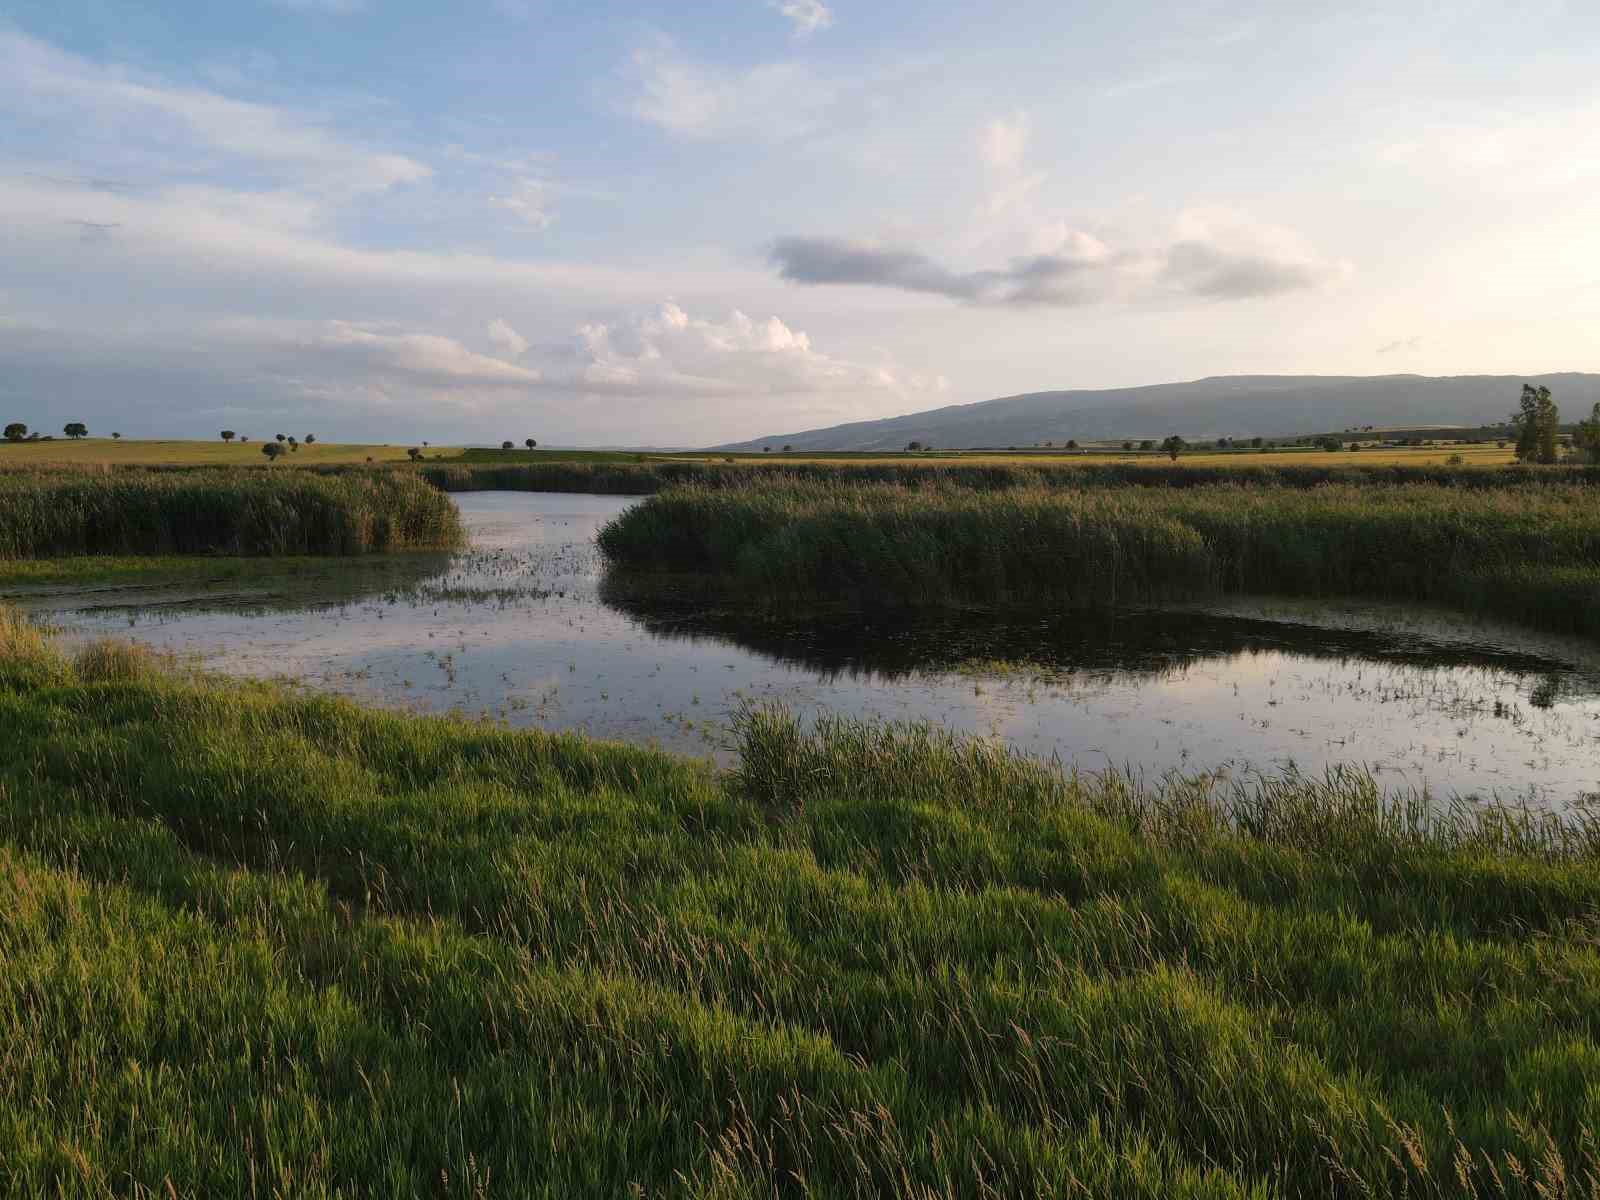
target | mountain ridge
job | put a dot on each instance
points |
(1273, 406)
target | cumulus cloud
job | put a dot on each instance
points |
(1210, 257)
(665, 350)
(507, 339)
(806, 17)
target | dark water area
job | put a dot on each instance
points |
(526, 628)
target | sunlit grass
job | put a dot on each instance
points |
(260, 944)
(141, 452)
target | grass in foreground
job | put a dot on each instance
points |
(255, 944)
(1528, 553)
(268, 512)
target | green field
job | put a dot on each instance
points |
(257, 944)
(131, 452)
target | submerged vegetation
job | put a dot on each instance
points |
(256, 943)
(1528, 553)
(266, 512)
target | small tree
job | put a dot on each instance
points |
(414, 454)
(243, 439)
(787, 448)
(228, 435)
(531, 443)
(311, 439)
(75, 430)
(1072, 443)
(766, 449)
(1586, 438)
(116, 437)
(913, 447)
(293, 445)
(280, 437)
(1129, 445)
(1174, 446)
(507, 445)
(272, 450)
(1330, 441)
(1147, 444)
(16, 431)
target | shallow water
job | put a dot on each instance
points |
(523, 628)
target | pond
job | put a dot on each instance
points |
(525, 628)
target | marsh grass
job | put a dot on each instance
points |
(647, 478)
(1528, 553)
(259, 512)
(254, 943)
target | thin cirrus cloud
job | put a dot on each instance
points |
(1206, 259)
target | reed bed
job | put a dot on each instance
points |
(643, 479)
(256, 512)
(254, 943)
(1527, 553)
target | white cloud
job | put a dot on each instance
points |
(664, 350)
(805, 16)
(1513, 149)
(506, 338)
(118, 109)
(769, 102)
(428, 358)
(529, 204)
(1005, 141)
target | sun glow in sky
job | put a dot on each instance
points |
(682, 224)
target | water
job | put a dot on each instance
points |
(523, 628)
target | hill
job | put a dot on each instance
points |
(1221, 406)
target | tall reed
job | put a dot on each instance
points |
(1530, 553)
(260, 512)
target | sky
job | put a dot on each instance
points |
(683, 224)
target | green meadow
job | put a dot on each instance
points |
(262, 944)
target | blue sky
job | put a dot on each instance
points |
(681, 224)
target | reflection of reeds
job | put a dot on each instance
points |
(1527, 553)
(329, 946)
(260, 512)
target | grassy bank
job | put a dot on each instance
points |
(269, 512)
(1529, 553)
(254, 944)
(647, 478)
(146, 452)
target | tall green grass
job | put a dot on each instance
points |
(254, 944)
(262, 512)
(1527, 553)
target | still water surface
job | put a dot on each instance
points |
(524, 628)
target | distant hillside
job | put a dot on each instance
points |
(1224, 406)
